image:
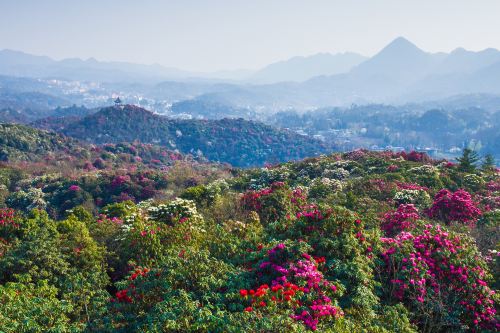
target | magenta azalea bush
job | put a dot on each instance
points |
(402, 219)
(441, 277)
(454, 206)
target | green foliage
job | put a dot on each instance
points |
(467, 162)
(488, 163)
(28, 307)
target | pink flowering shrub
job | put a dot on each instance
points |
(392, 168)
(273, 203)
(356, 154)
(290, 279)
(103, 218)
(457, 206)
(449, 165)
(74, 188)
(493, 186)
(342, 248)
(402, 219)
(120, 180)
(411, 186)
(441, 278)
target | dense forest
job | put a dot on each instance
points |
(136, 238)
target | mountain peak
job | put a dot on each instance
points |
(401, 45)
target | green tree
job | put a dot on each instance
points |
(29, 307)
(488, 163)
(467, 162)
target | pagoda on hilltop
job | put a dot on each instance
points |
(118, 101)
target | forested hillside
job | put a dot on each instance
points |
(236, 141)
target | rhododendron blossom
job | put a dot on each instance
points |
(431, 268)
(402, 219)
(7, 217)
(74, 188)
(457, 206)
(298, 285)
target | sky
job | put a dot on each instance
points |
(212, 35)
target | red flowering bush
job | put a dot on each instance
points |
(457, 206)
(403, 219)
(7, 217)
(441, 278)
(290, 280)
(120, 180)
(415, 156)
(128, 294)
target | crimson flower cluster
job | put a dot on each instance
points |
(7, 217)
(415, 156)
(128, 294)
(296, 285)
(120, 180)
(266, 296)
(312, 214)
(74, 188)
(392, 168)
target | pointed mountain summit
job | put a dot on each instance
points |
(400, 46)
(400, 62)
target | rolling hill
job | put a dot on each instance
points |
(235, 141)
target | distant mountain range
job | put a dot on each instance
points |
(298, 69)
(400, 73)
(16, 63)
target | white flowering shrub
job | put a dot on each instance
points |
(216, 188)
(347, 165)
(423, 170)
(473, 182)
(419, 198)
(338, 173)
(27, 200)
(268, 176)
(321, 187)
(176, 211)
(425, 175)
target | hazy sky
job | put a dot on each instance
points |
(206, 35)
